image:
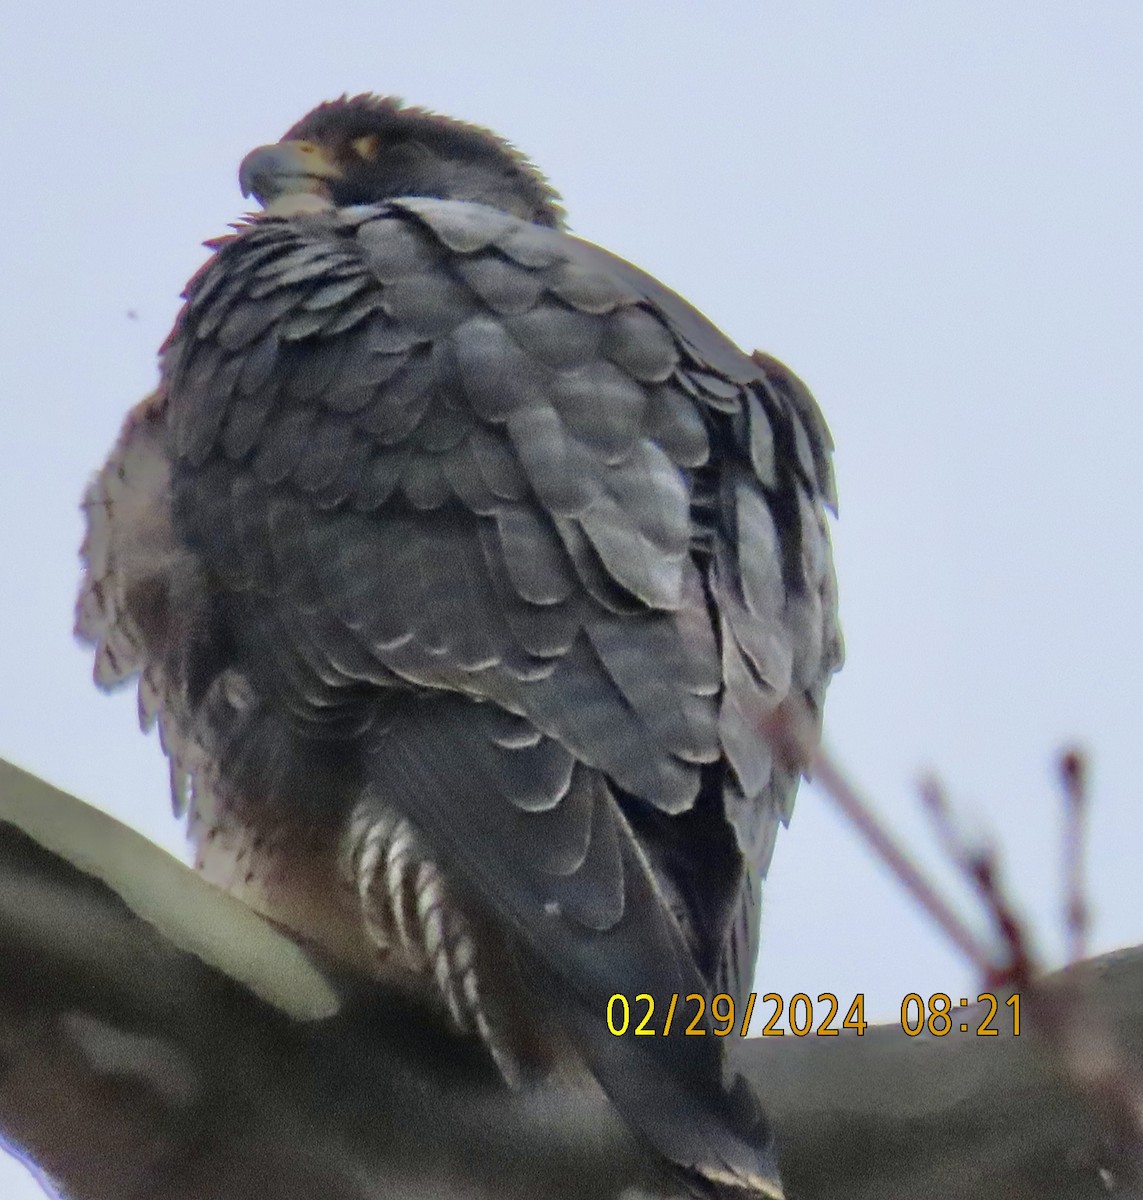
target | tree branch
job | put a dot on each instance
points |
(160, 1041)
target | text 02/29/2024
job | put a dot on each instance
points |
(641, 1016)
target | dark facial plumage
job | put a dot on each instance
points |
(380, 149)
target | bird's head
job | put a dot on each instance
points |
(367, 149)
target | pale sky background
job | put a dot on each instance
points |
(931, 211)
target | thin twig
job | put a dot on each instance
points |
(1077, 914)
(980, 865)
(788, 737)
(883, 844)
(1084, 1047)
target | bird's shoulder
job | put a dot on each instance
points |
(512, 314)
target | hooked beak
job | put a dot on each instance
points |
(286, 168)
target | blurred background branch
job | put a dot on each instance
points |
(158, 1040)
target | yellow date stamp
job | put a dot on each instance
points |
(694, 1015)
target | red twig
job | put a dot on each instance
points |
(887, 849)
(1082, 1044)
(790, 736)
(980, 865)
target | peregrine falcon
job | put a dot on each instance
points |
(460, 564)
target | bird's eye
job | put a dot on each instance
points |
(365, 147)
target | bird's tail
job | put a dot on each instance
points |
(593, 922)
